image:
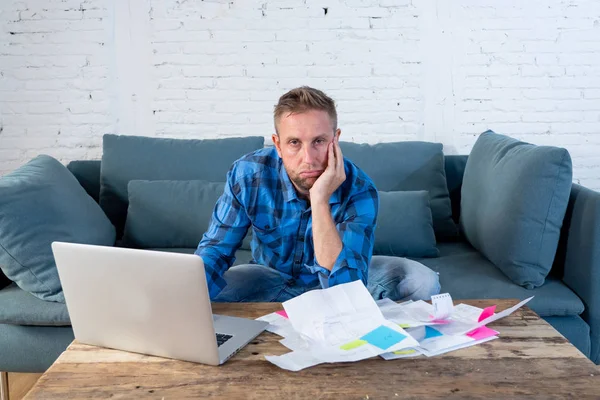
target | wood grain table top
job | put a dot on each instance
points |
(529, 360)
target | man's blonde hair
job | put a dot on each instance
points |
(304, 99)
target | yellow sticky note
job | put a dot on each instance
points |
(352, 345)
(403, 326)
(405, 352)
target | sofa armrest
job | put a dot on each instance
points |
(580, 254)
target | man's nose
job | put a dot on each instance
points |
(310, 154)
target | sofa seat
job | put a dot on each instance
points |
(21, 308)
(480, 279)
(32, 348)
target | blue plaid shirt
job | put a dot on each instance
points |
(260, 194)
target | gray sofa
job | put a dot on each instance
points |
(34, 332)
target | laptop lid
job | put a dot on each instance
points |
(142, 301)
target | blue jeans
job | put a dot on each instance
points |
(399, 279)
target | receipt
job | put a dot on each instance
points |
(442, 306)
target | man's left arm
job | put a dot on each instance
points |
(343, 251)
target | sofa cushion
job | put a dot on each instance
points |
(514, 198)
(126, 158)
(170, 213)
(454, 165)
(404, 225)
(575, 330)
(467, 274)
(22, 308)
(87, 173)
(408, 166)
(42, 202)
(32, 348)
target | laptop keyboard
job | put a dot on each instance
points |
(222, 338)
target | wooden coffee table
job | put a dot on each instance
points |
(530, 359)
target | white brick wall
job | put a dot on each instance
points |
(433, 70)
(54, 79)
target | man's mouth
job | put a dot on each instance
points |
(311, 174)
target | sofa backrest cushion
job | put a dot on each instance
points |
(125, 158)
(171, 214)
(514, 197)
(405, 225)
(455, 169)
(87, 173)
(42, 202)
(408, 166)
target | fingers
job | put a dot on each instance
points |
(339, 155)
(331, 162)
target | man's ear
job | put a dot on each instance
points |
(337, 134)
(275, 138)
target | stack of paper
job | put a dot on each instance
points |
(338, 324)
(343, 324)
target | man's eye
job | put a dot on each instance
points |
(293, 142)
(320, 141)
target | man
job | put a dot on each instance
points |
(312, 212)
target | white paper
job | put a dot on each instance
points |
(278, 325)
(442, 306)
(466, 320)
(440, 343)
(315, 354)
(295, 342)
(504, 313)
(384, 303)
(466, 313)
(326, 321)
(404, 317)
(419, 311)
(406, 353)
(470, 343)
(298, 360)
(294, 361)
(335, 315)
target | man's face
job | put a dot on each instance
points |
(302, 145)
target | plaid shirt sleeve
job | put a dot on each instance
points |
(357, 235)
(228, 226)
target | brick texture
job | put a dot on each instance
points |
(71, 71)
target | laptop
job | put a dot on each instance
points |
(148, 302)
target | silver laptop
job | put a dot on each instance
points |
(148, 302)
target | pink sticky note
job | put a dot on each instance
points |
(481, 333)
(486, 313)
(282, 313)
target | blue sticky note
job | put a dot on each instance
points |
(383, 337)
(431, 333)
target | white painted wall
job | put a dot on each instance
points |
(435, 70)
